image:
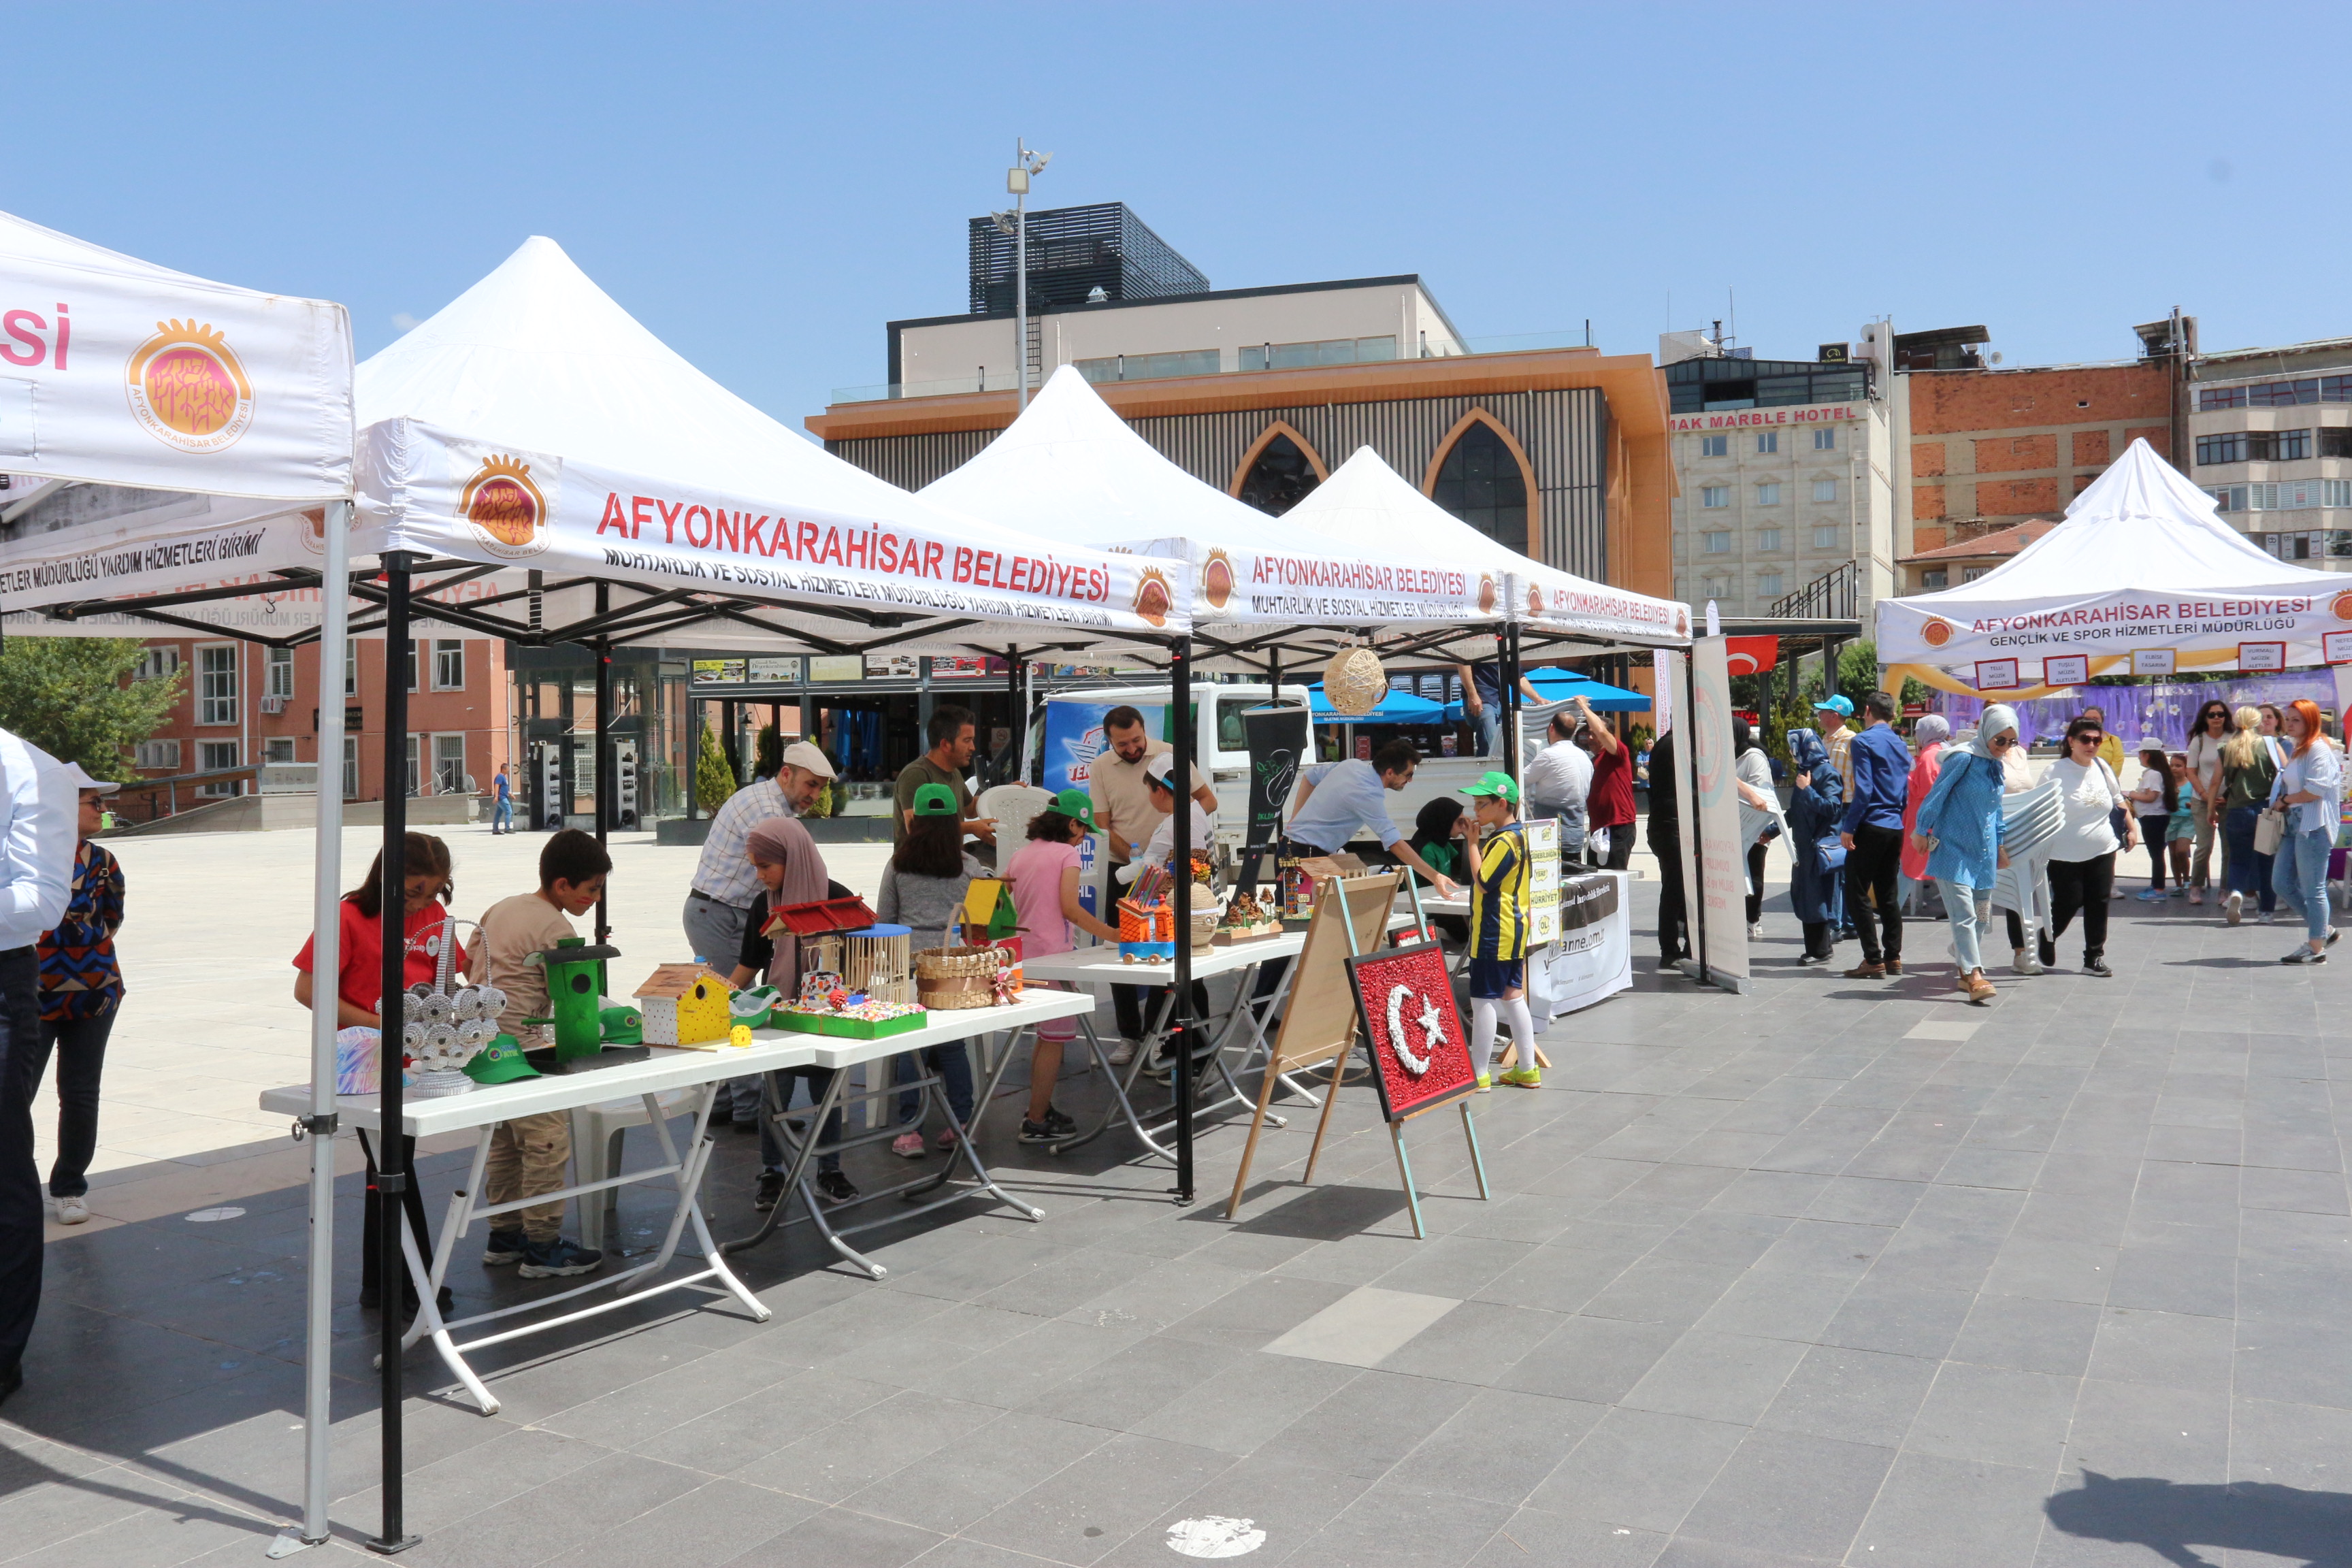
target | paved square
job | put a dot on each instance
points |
(1836, 1272)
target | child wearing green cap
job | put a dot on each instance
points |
(1043, 878)
(1499, 930)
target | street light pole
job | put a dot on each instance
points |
(1026, 166)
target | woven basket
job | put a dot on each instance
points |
(951, 978)
(1354, 682)
(1204, 928)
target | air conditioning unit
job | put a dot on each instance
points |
(273, 705)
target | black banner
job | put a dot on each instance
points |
(1278, 738)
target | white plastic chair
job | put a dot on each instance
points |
(1012, 806)
(596, 1134)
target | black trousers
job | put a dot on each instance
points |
(1621, 847)
(1756, 853)
(2083, 886)
(1873, 867)
(412, 1203)
(2152, 829)
(20, 1179)
(81, 1055)
(1821, 939)
(1673, 914)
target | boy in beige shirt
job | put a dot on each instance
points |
(531, 1155)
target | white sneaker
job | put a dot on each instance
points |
(1756, 930)
(1122, 1054)
(72, 1211)
(2265, 917)
(2233, 907)
(2022, 961)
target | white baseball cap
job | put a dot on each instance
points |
(82, 781)
(1159, 767)
(803, 754)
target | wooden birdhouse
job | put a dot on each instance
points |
(684, 1005)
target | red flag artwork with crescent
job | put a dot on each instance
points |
(1421, 1054)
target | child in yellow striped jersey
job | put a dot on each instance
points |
(1499, 930)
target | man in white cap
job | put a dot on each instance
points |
(36, 854)
(719, 903)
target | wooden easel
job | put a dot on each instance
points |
(1348, 922)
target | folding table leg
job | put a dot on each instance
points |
(428, 1318)
(689, 1207)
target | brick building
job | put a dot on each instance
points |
(245, 705)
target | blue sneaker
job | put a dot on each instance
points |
(550, 1260)
(503, 1247)
(2152, 895)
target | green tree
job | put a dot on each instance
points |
(714, 780)
(76, 700)
(770, 753)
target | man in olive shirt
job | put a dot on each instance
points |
(953, 737)
(1123, 813)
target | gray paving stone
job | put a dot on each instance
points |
(1639, 1469)
(1717, 1377)
(1899, 1318)
(1939, 1513)
(1373, 1421)
(1995, 1415)
(1853, 1395)
(2029, 1335)
(1591, 1359)
(1791, 1493)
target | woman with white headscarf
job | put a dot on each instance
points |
(1958, 828)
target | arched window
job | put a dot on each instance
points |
(1280, 477)
(1480, 482)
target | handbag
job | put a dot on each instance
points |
(2269, 830)
(1832, 851)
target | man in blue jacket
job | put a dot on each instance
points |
(1872, 832)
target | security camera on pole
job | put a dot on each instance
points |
(1026, 165)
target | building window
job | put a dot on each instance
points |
(1767, 584)
(1825, 439)
(158, 755)
(1718, 588)
(1280, 477)
(350, 767)
(449, 764)
(278, 667)
(351, 668)
(2276, 394)
(216, 685)
(2254, 446)
(1825, 489)
(1715, 543)
(213, 756)
(2229, 498)
(1768, 495)
(278, 749)
(2335, 492)
(1767, 539)
(1154, 367)
(1300, 356)
(412, 666)
(1713, 495)
(2336, 440)
(1936, 578)
(2306, 546)
(449, 664)
(1767, 442)
(1825, 537)
(1714, 446)
(412, 764)
(1971, 574)
(156, 663)
(1480, 483)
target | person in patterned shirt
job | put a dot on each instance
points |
(81, 991)
(1498, 931)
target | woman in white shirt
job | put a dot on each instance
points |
(2311, 792)
(2206, 736)
(2083, 855)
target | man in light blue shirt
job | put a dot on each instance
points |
(1339, 800)
(39, 808)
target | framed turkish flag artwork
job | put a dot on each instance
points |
(1421, 1054)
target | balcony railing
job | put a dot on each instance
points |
(1828, 597)
(1138, 366)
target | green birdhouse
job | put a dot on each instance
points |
(574, 995)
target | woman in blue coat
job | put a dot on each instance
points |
(1959, 829)
(1816, 892)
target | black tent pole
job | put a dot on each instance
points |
(393, 1175)
(605, 792)
(1510, 715)
(1180, 777)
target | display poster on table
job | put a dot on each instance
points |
(1719, 900)
(1277, 740)
(1404, 1000)
(1592, 959)
(1075, 738)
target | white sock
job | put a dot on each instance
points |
(1482, 1034)
(1523, 1030)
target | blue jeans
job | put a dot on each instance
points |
(2249, 871)
(1489, 721)
(502, 814)
(1960, 909)
(2301, 876)
(952, 1062)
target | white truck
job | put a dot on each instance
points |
(1060, 743)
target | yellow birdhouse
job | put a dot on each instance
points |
(685, 1005)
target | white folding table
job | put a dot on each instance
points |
(838, 1054)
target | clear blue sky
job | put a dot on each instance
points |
(765, 186)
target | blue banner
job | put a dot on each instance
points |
(1075, 738)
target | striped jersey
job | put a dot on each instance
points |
(1498, 896)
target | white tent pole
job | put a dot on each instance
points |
(326, 922)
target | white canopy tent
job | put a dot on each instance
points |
(2143, 577)
(166, 424)
(1071, 469)
(1368, 503)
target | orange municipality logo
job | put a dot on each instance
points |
(1217, 579)
(1152, 599)
(505, 509)
(1936, 633)
(188, 390)
(2341, 606)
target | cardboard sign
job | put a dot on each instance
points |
(2261, 656)
(2153, 660)
(1996, 675)
(2336, 647)
(1421, 1057)
(2066, 670)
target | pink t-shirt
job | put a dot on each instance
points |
(1035, 878)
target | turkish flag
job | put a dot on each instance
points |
(1751, 655)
